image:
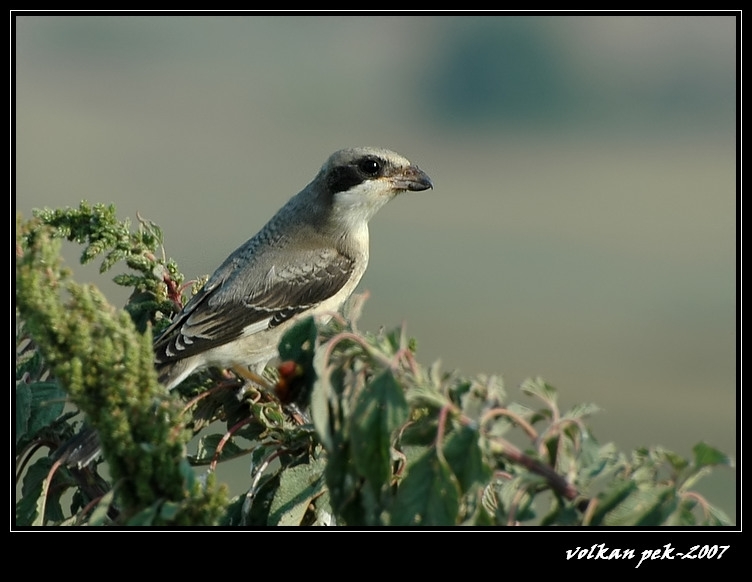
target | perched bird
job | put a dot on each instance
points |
(306, 260)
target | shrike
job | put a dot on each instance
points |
(306, 260)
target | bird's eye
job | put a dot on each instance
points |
(370, 166)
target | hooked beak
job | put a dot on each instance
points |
(413, 179)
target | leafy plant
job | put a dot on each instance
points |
(349, 429)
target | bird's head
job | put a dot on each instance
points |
(356, 182)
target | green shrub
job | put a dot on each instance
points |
(350, 429)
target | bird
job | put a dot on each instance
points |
(307, 260)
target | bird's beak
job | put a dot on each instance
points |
(413, 179)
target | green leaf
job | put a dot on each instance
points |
(380, 410)
(323, 514)
(676, 461)
(298, 487)
(207, 447)
(23, 410)
(146, 516)
(718, 517)
(647, 506)
(47, 403)
(463, 454)
(169, 511)
(538, 388)
(298, 345)
(255, 510)
(428, 495)
(345, 488)
(30, 508)
(99, 513)
(324, 411)
(561, 514)
(582, 410)
(233, 515)
(705, 455)
(683, 515)
(617, 491)
(298, 342)
(40, 502)
(517, 494)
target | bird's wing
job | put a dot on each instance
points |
(214, 316)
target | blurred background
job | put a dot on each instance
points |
(583, 222)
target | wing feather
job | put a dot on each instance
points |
(214, 317)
